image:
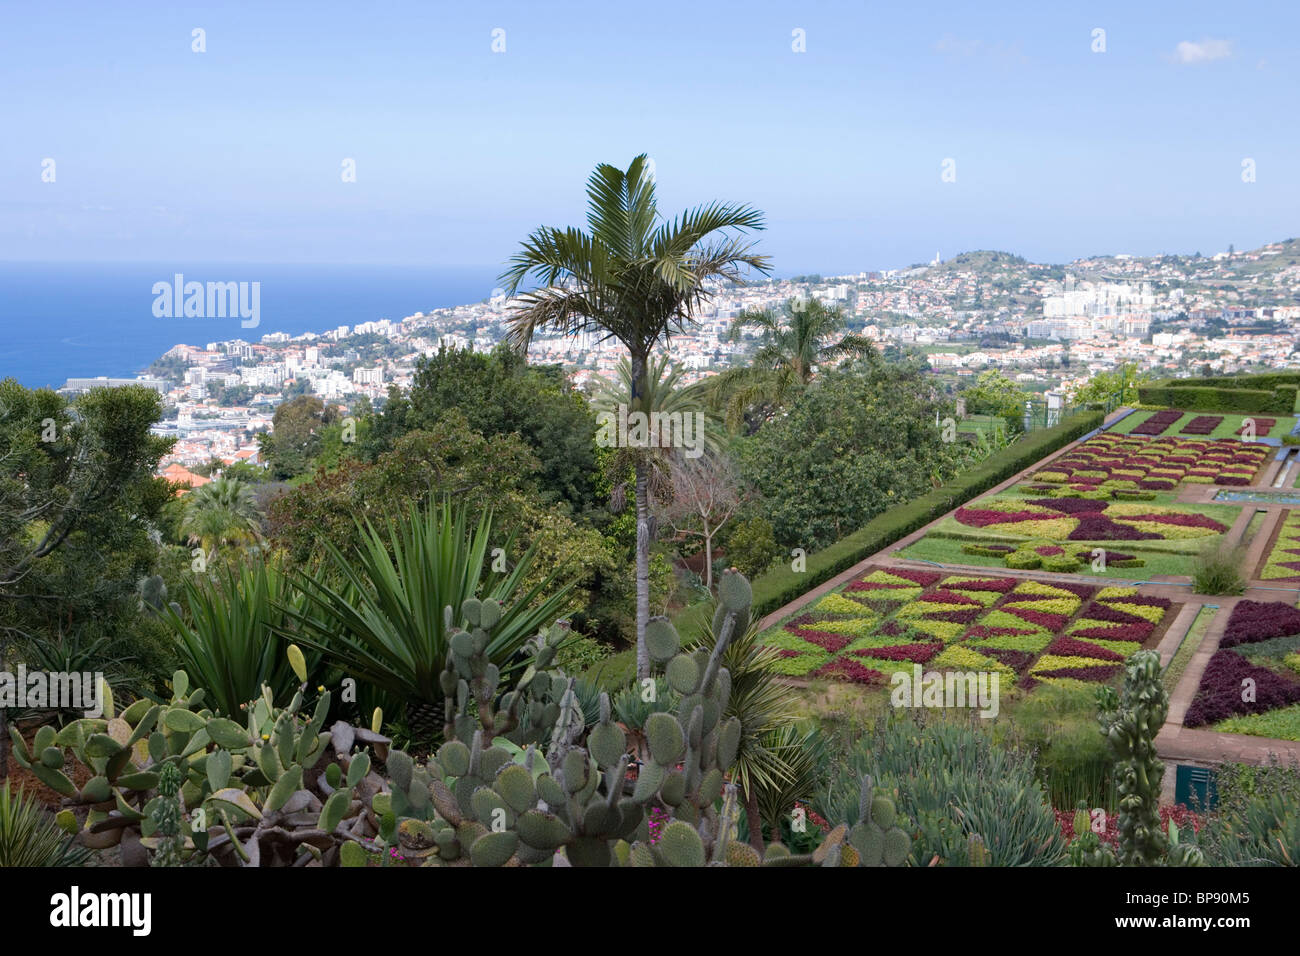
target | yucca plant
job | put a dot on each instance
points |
(384, 623)
(229, 643)
(801, 752)
(29, 838)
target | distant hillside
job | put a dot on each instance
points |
(979, 260)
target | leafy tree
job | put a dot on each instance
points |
(1119, 387)
(792, 345)
(995, 394)
(222, 512)
(500, 394)
(858, 440)
(295, 436)
(635, 277)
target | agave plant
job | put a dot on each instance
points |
(385, 624)
(230, 640)
(29, 838)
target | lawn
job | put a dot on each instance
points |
(1252, 683)
(1029, 632)
(1227, 427)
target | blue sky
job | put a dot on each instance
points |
(235, 154)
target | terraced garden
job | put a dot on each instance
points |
(1029, 631)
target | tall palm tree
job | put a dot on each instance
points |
(792, 344)
(221, 512)
(635, 277)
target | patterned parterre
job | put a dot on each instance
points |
(1082, 519)
(1158, 464)
(1283, 561)
(1029, 631)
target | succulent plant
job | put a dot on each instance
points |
(522, 779)
(277, 789)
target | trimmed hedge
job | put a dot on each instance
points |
(1273, 393)
(780, 586)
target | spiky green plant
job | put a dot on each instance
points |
(29, 838)
(384, 624)
(230, 639)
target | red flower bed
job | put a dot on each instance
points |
(957, 617)
(844, 669)
(1157, 423)
(1202, 425)
(1262, 426)
(923, 578)
(1070, 505)
(1097, 527)
(1179, 813)
(1044, 619)
(823, 639)
(997, 585)
(1253, 621)
(1100, 612)
(1071, 647)
(1125, 632)
(1219, 695)
(983, 517)
(943, 596)
(984, 630)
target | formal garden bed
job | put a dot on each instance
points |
(1212, 425)
(1115, 461)
(1281, 561)
(1027, 630)
(1251, 684)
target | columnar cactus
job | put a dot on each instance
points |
(1130, 723)
(166, 816)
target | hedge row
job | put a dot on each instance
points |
(1272, 393)
(780, 586)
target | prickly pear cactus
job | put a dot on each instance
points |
(271, 789)
(485, 800)
(877, 836)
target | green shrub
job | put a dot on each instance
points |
(783, 584)
(1217, 570)
(580, 653)
(751, 547)
(1272, 393)
(29, 838)
(1023, 560)
(953, 781)
(1061, 563)
(1257, 820)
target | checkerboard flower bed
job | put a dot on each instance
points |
(1025, 630)
(1158, 464)
(1262, 426)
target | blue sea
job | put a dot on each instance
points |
(64, 320)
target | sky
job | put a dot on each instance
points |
(837, 119)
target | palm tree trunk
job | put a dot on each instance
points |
(642, 534)
(755, 821)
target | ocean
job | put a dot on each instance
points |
(64, 320)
